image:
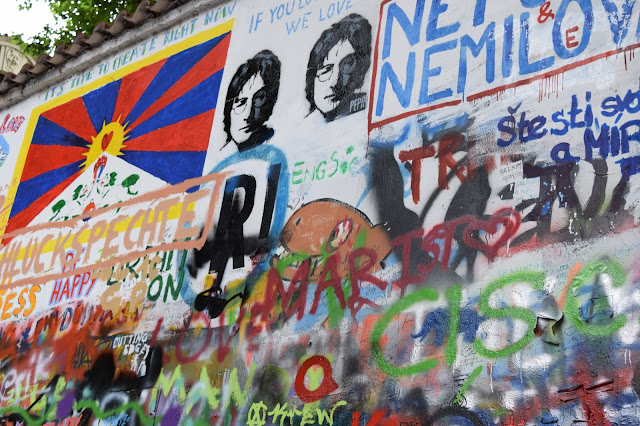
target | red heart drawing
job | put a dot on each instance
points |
(510, 221)
(106, 139)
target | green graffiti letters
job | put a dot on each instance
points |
(536, 280)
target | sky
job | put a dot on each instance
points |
(26, 22)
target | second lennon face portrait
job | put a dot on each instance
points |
(338, 64)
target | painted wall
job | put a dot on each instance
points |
(347, 212)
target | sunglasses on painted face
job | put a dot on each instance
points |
(258, 100)
(346, 66)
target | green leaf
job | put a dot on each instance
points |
(77, 16)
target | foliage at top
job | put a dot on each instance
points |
(77, 15)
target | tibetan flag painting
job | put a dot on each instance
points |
(157, 119)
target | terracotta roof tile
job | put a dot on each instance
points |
(102, 32)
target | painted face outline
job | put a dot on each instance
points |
(340, 60)
(249, 101)
(327, 226)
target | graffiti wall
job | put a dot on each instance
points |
(342, 212)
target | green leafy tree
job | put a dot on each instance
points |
(112, 178)
(56, 208)
(129, 182)
(77, 16)
(76, 192)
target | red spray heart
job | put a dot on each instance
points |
(106, 139)
(510, 221)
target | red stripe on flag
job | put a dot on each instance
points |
(211, 63)
(191, 134)
(72, 116)
(44, 158)
(132, 87)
